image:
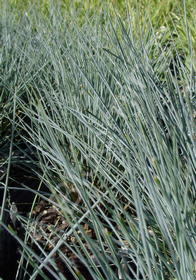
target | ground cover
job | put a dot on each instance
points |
(98, 132)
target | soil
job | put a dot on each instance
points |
(47, 226)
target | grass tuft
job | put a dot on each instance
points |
(100, 124)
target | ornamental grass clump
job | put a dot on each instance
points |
(109, 130)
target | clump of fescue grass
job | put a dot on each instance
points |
(112, 115)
